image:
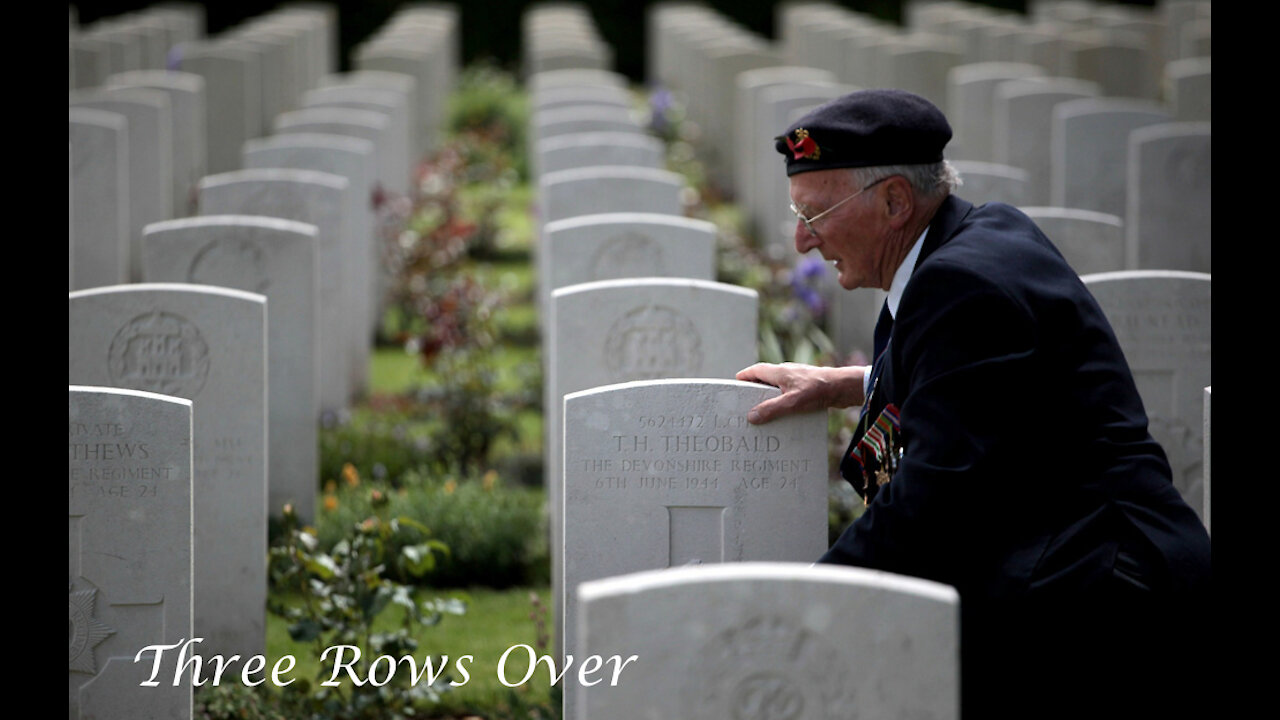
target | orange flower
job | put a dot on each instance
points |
(350, 474)
(450, 486)
(330, 502)
(330, 486)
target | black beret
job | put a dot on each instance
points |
(863, 129)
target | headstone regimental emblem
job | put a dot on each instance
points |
(768, 668)
(159, 352)
(86, 631)
(653, 342)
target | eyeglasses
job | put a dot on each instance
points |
(808, 222)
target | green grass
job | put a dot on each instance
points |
(495, 621)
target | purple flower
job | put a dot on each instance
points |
(811, 268)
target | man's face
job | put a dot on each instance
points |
(849, 236)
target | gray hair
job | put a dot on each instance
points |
(934, 180)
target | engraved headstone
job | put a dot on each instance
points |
(1163, 322)
(100, 195)
(129, 548)
(206, 344)
(1090, 146)
(615, 246)
(667, 473)
(642, 329)
(1168, 214)
(782, 641)
(1091, 242)
(315, 198)
(276, 258)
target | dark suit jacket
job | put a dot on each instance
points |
(1027, 472)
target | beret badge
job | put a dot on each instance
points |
(803, 146)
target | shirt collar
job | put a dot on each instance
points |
(903, 274)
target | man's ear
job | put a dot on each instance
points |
(899, 201)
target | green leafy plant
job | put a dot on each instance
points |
(341, 593)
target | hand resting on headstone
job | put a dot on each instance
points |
(805, 388)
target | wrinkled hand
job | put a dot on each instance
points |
(805, 388)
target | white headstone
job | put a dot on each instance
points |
(129, 549)
(1090, 146)
(617, 246)
(399, 138)
(991, 182)
(1163, 322)
(565, 152)
(353, 159)
(1189, 89)
(641, 329)
(748, 136)
(150, 128)
(970, 97)
(186, 97)
(1091, 242)
(100, 196)
(609, 188)
(233, 100)
(1168, 213)
(1022, 122)
(315, 198)
(278, 259)
(667, 473)
(769, 640)
(206, 344)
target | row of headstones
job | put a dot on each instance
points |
(1119, 47)
(132, 584)
(562, 36)
(695, 53)
(140, 40)
(207, 340)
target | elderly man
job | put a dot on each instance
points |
(1002, 446)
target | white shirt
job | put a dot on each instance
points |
(896, 288)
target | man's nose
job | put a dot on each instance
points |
(805, 240)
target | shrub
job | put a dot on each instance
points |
(496, 534)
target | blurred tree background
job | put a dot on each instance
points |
(491, 28)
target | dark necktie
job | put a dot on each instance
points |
(884, 328)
